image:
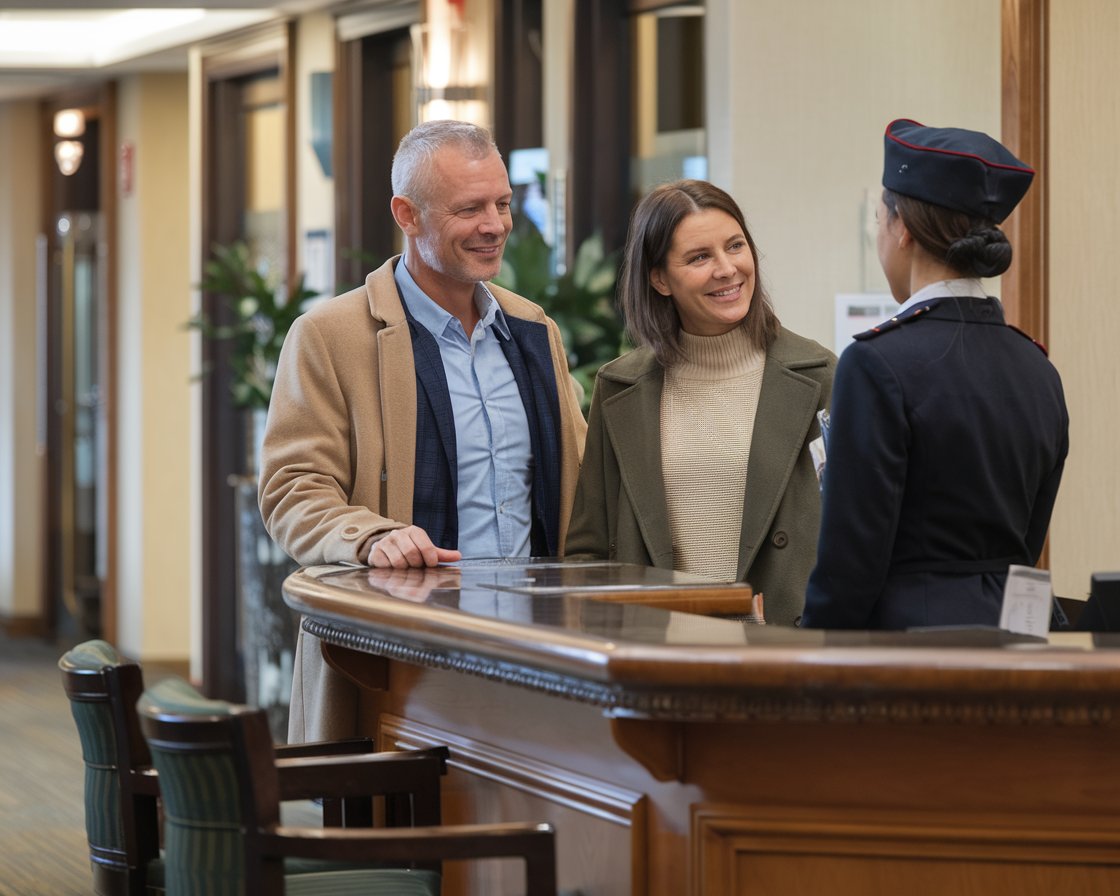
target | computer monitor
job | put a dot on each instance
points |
(1102, 609)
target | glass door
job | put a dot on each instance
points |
(78, 412)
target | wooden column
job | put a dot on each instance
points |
(1025, 287)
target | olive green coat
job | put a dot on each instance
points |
(620, 510)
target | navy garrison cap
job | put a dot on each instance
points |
(963, 170)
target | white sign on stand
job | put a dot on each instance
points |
(856, 312)
(1026, 601)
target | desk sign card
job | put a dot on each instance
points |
(1026, 601)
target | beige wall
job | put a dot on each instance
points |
(1084, 190)
(154, 435)
(20, 459)
(799, 92)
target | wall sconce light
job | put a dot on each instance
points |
(68, 155)
(68, 124)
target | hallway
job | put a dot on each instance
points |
(42, 827)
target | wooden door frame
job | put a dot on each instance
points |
(1025, 287)
(362, 157)
(270, 48)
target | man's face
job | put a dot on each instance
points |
(461, 232)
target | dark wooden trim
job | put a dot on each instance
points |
(364, 143)
(1025, 288)
(220, 427)
(224, 66)
(599, 193)
(291, 188)
(1025, 123)
(346, 159)
(518, 76)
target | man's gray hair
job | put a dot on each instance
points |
(413, 159)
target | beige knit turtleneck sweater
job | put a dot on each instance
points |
(707, 416)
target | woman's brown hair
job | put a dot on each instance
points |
(651, 318)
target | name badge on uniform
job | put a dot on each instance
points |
(818, 448)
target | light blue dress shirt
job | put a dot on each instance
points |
(495, 458)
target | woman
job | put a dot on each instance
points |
(697, 453)
(949, 428)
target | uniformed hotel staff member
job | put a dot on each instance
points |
(949, 428)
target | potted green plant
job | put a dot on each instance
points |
(263, 312)
(580, 300)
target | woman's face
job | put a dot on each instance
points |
(894, 261)
(708, 273)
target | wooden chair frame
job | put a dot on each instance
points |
(263, 780)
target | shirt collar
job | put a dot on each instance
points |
(435, 319)
(971, 288)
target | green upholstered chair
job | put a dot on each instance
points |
(222, 781)
(121, 787)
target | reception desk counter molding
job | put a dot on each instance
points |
(680, 747)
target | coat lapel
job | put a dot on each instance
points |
(788, 404)
(397, 384)
(632, 419)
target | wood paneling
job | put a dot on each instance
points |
(894, 762)
(601, 830)
(797, 853)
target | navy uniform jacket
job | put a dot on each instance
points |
(949, 434)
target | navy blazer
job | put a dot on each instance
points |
(435, 506)
(948, 438)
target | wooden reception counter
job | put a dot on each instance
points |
(678, 753)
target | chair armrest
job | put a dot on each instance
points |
(535, 843)
(353, 746)
(346, 747)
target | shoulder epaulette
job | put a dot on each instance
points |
(1025, 335)
(895, 322)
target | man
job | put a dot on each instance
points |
(425, 416)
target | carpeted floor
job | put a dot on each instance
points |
(43, 848)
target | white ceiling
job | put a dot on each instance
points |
(47, 45)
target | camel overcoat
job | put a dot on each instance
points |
(339, 454)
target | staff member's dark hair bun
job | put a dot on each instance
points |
(982, 252)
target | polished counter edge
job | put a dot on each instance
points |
(575, 647)
(730, 704)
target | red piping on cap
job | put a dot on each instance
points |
(948, 152)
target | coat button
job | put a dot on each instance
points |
(779, 539)
(350, 532)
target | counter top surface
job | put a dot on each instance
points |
(581, 621)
